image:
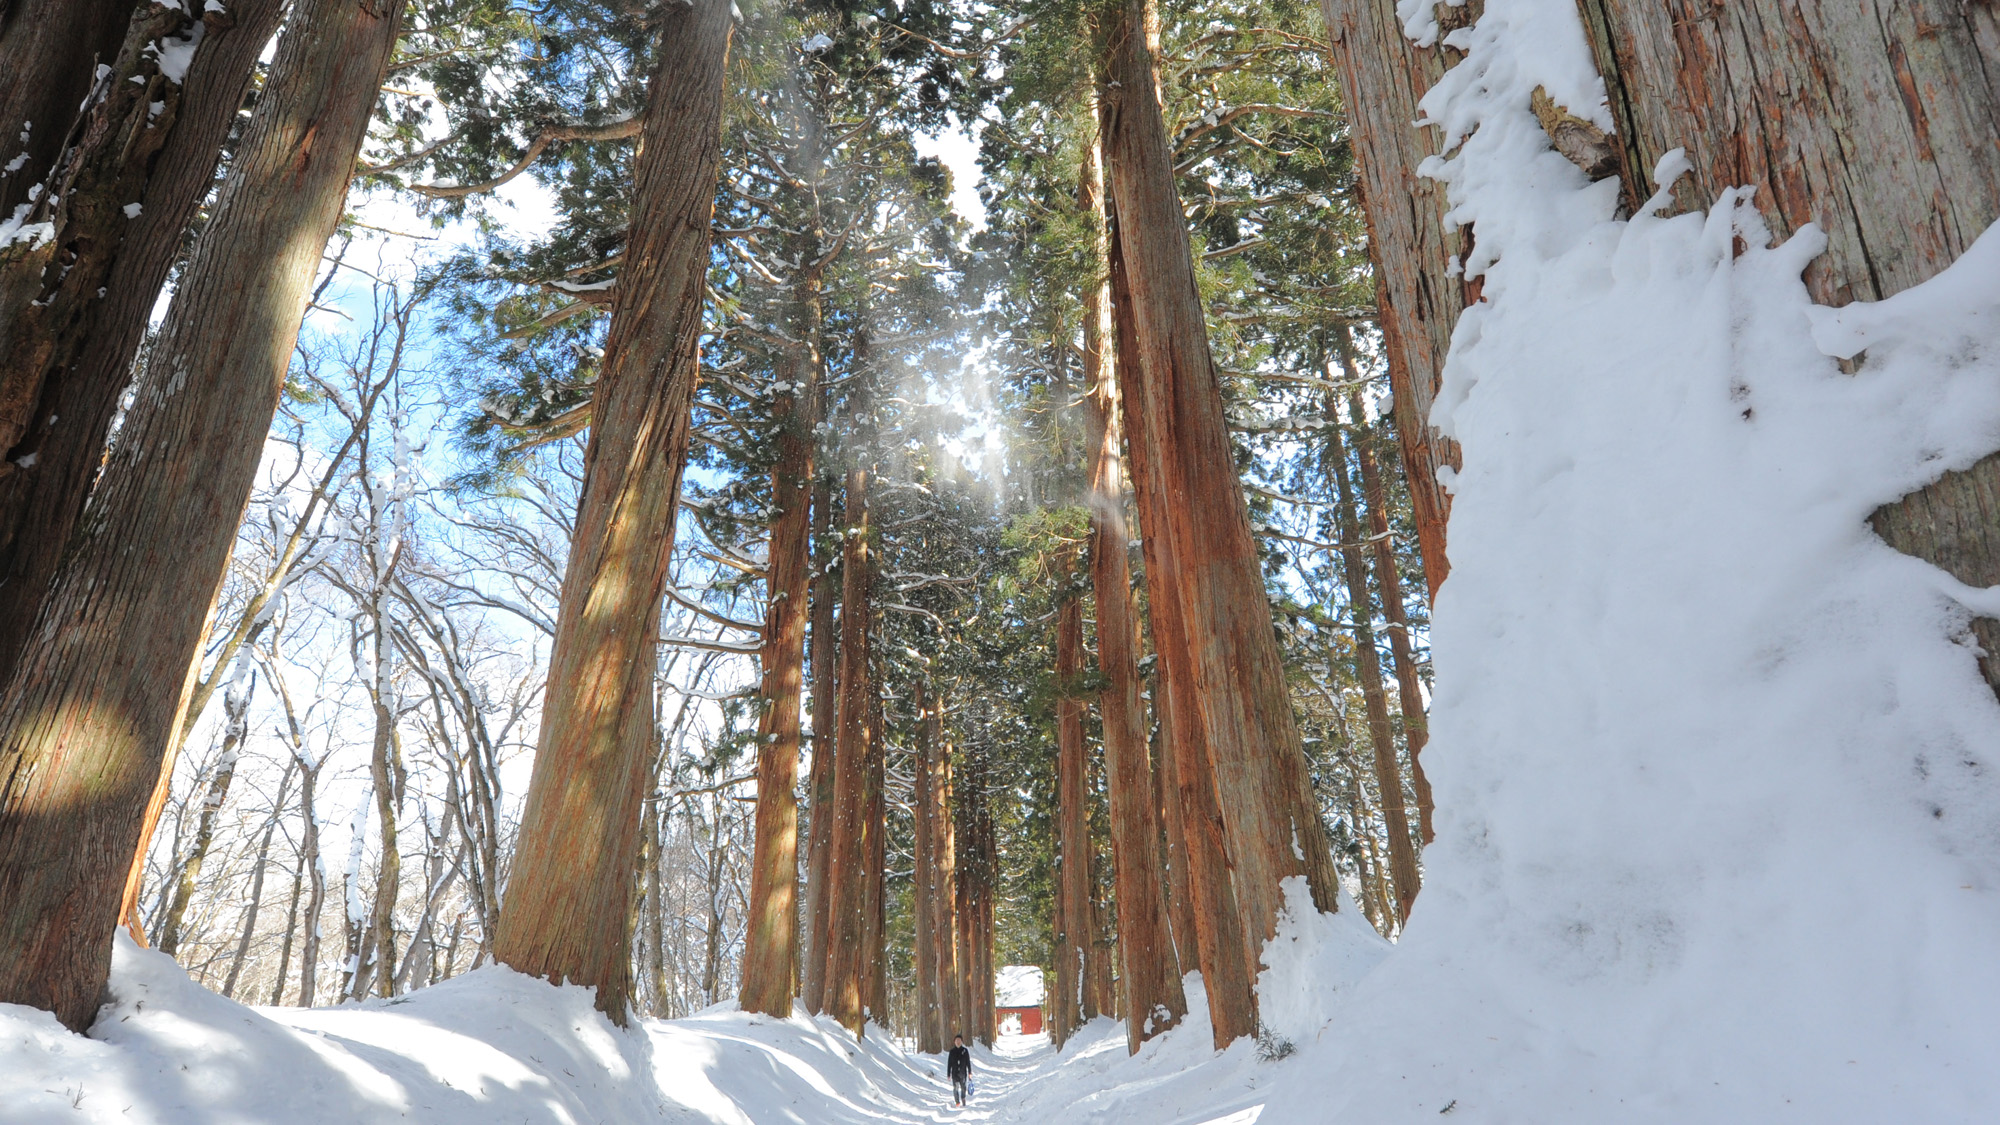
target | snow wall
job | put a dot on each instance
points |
(1718, 814)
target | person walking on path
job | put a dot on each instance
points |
(958, 1064)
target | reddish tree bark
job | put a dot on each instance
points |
(847, 879)
(1879, 122)
(1149, 970)
(874, 944)
(770, 946)
(1382, 78)
(825, 646)
(1215, 932)
(1223, 655)
(1070, 1006)
(567, 914)
(82, 736)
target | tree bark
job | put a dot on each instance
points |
(923, 893)
(1878, 121)
(951, 1002)
(1153, 1000)
(1409, 693)
(82, 737)
(73, 311)
(847, 881)
(1368, 671)
(1219, 938)
(1069, 1006)
(770, 947)
(874, 944)
(48, 51)
(825, 649)
(1173, 844)
(1382, 78)
(1227, 658)
(567, 910)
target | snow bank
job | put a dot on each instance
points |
(488, 1046)
(1718, 825)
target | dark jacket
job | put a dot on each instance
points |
(959, 1063)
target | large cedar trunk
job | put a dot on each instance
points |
(770, 947)
(1173, 842)
(49, 50)
(1219, 938)
(73, 310)
(1409, 693)
(1153, 1000)
(1382, 78)
(1368, 670)
(825, 647)
(82, 737)
(847, 880)
(567, 914)
(875, 947)
(923, 879)
(1878, 121)
(951, 995)
(1069, 1006)
(1227, 661)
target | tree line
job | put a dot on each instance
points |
(1094, 707)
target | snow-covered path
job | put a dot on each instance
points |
(495, 1046)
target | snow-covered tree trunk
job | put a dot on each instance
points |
(1877, 121)
(48, 51)
(82, 737)
(567, 914)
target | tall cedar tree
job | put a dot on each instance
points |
(82, 736)
(74, 308)
(567, 914)
(847, 891)
(1072, 1004)
(1227, 662)
(1147, 969)
(770, 947)
(1218, 939)
(1418, 295)
(1368, 670)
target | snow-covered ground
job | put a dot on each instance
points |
(495, 1046)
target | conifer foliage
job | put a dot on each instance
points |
(771, 575)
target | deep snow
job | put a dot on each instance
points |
(1718, 811)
